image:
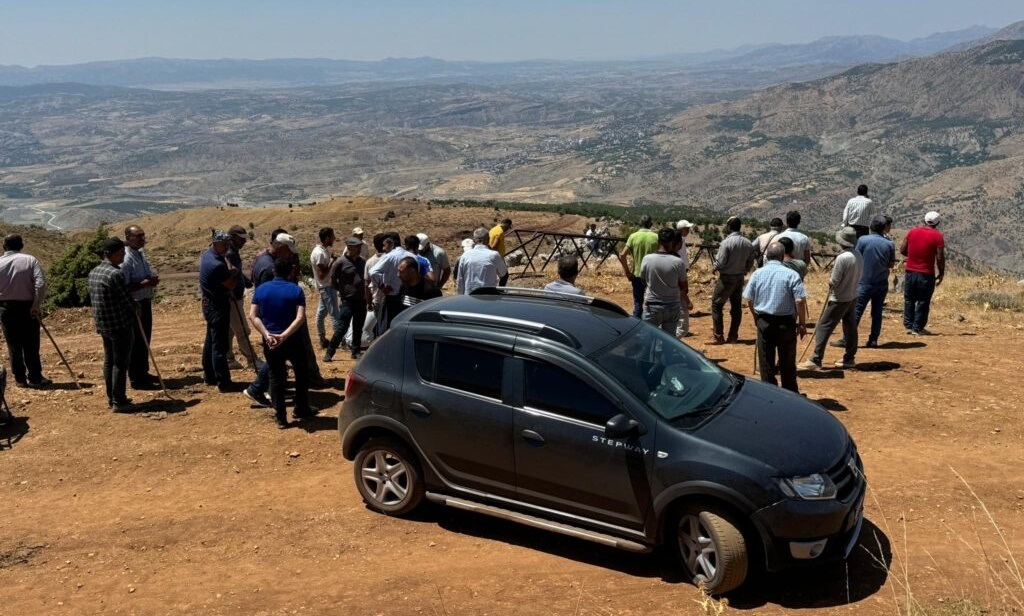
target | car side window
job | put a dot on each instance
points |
(550, 388)
(469, 369)
(423, 350)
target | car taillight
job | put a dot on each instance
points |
(354, 385)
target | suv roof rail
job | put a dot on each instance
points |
(473, 318)
(555, 295)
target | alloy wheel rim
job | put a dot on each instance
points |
(385, 478)
(697, 548)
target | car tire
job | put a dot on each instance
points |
(388, 476)
(712, 549)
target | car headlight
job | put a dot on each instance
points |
(811, 487)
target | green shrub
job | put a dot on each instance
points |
(68, 279)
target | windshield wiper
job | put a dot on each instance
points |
(721, 402)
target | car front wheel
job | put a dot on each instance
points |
(388, 476)
(712, 549)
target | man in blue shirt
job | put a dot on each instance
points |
(879, 255)
(141, 281)
(278, 312)
(216, 282)
(777, 299)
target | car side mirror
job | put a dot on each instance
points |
(620, 426)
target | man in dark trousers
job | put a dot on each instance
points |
(925, 250)
(735, 257)
(278, 312)
(141, 281)
(113, 311)
(216, 283)
(348, 275)
(777, 300)
(22, 290)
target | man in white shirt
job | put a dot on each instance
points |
(801, 243)
(858, 211)
(481, 266)
(384, 274)
(683, 228)
(22, 291)
(321, 259)
(764, 240)
(568, 270)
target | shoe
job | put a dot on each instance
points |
(21, 383)
(324, 342)
(871, 344)
(732, 339)
(910, 332)
(259, 399)
(357, 354)
(329, 355)
(42, 382)
(234, 364)
(124, 406)
(230, 387)
(809, 365)
(145, 385)
(716, 340)
(917, 332)
(839, 344)
(308, 414)
(318, 382)
(282, 424)
(842, 363)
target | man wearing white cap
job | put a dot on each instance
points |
(925, 250)
(364, 249)
(438, 259)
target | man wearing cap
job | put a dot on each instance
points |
(239, 322)
(141, 281)
(480, 267)
(879, 255)
(683, 228)
(639, 244)
(364, 249)
(859, 211)
(467, 245)
(840, 307)
(113, 312)
(568, 270)
(777, 300)
(22, 291)
(925, 250)
(321, 259)
(664, 277)
(496, 240)
(734, 259)
(437, 257)
(216, 284)
(348, 275)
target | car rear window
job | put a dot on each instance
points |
(461, 367)
(550, 388)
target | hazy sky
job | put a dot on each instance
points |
(69, 31)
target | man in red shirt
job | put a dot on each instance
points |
(925, 250)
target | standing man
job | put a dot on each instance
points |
(790, 261)
(859, 211)
(496, 240)
(22, 291)
(239, 322)
(734, 259)
(348, 275)
(321, 259)
(384, 273)
(412, 246)
(777, 300)
(568, 270)
(216, 283)
(480, 267)
(683, 228)
(113, 311)
(925, 250)
(141, 281)
(364, 249)
(801, 243)
(639, 244)
(664, 276)
(879, 254)
(437, 257)
(278, 312)
(762, 242)
(842, 298)
(415, 286)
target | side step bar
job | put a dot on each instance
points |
(529, 520)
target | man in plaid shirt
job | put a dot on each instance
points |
(113, 310)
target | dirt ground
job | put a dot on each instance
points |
(201, 506)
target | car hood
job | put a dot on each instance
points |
(779, 428)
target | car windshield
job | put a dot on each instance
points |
(671, 378)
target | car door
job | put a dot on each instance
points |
(455, 412)
(564, 461)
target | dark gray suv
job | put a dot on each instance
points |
(566, 413)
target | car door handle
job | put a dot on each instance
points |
(419, 410)
(533, 437)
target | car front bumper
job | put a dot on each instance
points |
(797, 533)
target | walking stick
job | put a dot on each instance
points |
(149, 349)
(248, 342)
(62, 358)
(811, 337)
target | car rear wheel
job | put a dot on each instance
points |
(712, 549)
(388, 476)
